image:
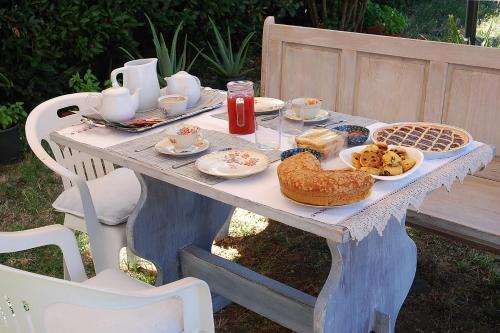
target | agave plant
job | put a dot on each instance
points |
(226, 62)
(168, 61)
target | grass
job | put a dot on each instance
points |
(457, 289)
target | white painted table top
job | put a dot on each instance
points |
(263, 189)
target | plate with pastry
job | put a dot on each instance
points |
(303, 180)
(233, 163)
(383, 162)
(326, 141)
(434, 140)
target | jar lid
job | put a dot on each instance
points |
(239, 85)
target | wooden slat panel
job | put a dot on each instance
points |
(436, 85)
(273, 76)
(345, 102)
(390, 89)
(492, 171)
(473, 102)
(265, 56)
(302, 76)
(272, 299)
(470, 211)
(393, 46)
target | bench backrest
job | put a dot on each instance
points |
(386, 78)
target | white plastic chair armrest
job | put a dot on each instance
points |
(196, 300)
(49, 235)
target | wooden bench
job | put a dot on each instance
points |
(396, 79)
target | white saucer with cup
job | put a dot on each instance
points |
(183, 136)
(308, 106)
(173, 105)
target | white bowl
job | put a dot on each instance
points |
(346, 155)
(310, 110)
(173, 105)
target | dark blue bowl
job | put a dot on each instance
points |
(354, 140)
(295, 151)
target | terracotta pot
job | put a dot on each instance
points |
(377, 29)
(10, 145)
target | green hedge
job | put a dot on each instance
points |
(44, 42)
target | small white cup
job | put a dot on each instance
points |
(173, 105)
(310, 106)
(183, 136)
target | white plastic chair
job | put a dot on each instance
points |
(109, 302)
(75, 168)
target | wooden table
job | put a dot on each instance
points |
(177, 219)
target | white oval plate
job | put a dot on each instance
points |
(431, 155)
(233, 163)
(417, 155)
(165, 146)
(320, 116)
(267, 104)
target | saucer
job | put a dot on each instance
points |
(165, 146)
(320, 116)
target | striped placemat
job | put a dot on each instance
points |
(142, 149)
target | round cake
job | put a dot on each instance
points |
(302, 179)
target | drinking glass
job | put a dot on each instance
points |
(268, 131)
(292, 119)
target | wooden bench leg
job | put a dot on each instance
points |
(368, 282)
(168, 218)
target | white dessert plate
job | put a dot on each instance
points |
(233, 163)
(417, 155)
(166, 146)
(267, 104)
(431, 155)
(320, 116)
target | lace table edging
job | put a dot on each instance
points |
(396, 204)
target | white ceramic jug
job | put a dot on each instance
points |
(185, 84)
(115, 104)
(141, 74)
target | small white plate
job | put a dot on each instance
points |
(267, 104)
(320, 116)
(232, 163)
(165, 146)
(346, 155)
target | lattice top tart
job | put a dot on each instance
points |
(424, 136)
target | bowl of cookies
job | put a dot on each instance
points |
(383, 162)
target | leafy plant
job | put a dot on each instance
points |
(88, 83)
(225, 62)
(454, 34)
(168, 62)
(11, 115)
(374, 14)
(394, 21)
(5, 82)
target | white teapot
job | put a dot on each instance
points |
(185, 84)
(116, 104)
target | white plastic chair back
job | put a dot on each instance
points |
(25, 297)
(46, 118)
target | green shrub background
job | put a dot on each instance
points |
(44, 42)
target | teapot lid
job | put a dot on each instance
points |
(116, 90)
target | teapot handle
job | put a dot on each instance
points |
(114, 74)
(198, 80)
